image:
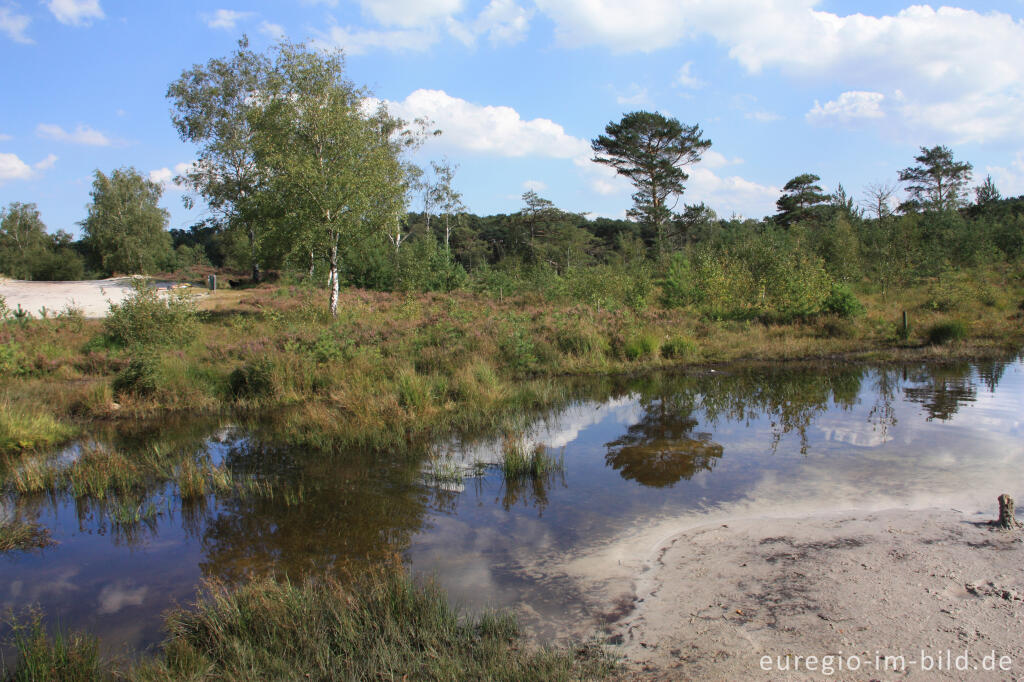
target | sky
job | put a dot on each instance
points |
(848, 91)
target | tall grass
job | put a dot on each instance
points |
(382, 627)
(29, 428)
(72, 657)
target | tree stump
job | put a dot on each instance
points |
(1007, 520)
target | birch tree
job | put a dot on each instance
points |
(334, 163)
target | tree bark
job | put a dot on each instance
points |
(256, 276)
(333, 279)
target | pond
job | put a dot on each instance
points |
(636, 461)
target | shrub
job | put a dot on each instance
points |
(252, 380)
(577, 340)
(945, 332)
(842, 302)
(4, 310)
(518, 350)
(140, 376)
(145, 318)
(678, 347)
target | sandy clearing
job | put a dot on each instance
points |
(867, 584)
(92, 296)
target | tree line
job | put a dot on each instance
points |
(301, 174)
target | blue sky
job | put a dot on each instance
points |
(849, 91)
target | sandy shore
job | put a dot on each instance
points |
(93, 297)
(744, 599)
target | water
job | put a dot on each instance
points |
(641, 459)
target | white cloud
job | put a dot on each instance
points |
(686, 78)
(4, 137)
(1009, 180)
(410, 13)
(46, 163)
(358, 41)
(762, 116)
(850, 106)
(14, 25)
(728, 195)
(75, 12)
(81, 135)
(484, 129)
(165, 176)
(962, 71)
(637, 97)
(713, 159)
(226, 19)
(272, 30)
(13, 168)
(504, 22)
(534, 186)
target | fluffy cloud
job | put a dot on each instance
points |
(81, 135)
(729, 195)
(1010, 181)
(4, 137)
(686, 78)
(46, 163)
(75, 12)
(165, 176)
(272, 30)
(14, 25)
(959, 69)
(534, 186)
(225, 19)
(484, 129)
(849, 107)
(358, 41)
(502, 21)
(410, 13)
(13, 168)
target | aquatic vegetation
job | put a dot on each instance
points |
(24, 427)
(18, 535)
(517, 463)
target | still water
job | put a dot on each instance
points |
(640, 459)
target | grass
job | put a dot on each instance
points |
(63, 657)
(25, 427)
(398, 369)
(518, 464)
(22, 536)
(381, 626)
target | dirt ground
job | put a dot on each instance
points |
(915, 594)
(93, 297)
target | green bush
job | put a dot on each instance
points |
(842, 302)
(576, 340)
(945, 332)
(678, 347)
(252, 380)
(519, 350)
(141, 376)
(146, 318)
(640, 345)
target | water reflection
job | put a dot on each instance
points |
(633, 449)
(661, 448)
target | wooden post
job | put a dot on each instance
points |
(906, 326)
(211, 282)
(1007, 520)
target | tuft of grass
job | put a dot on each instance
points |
(518, 464)
(678, 348)
(945, 332)
(640, 345)
(22, 428)
(22, 536)
(72, 657)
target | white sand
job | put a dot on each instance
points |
(92, 296)
(717, 599)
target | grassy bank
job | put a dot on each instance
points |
(383, 627)
(395, 368)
